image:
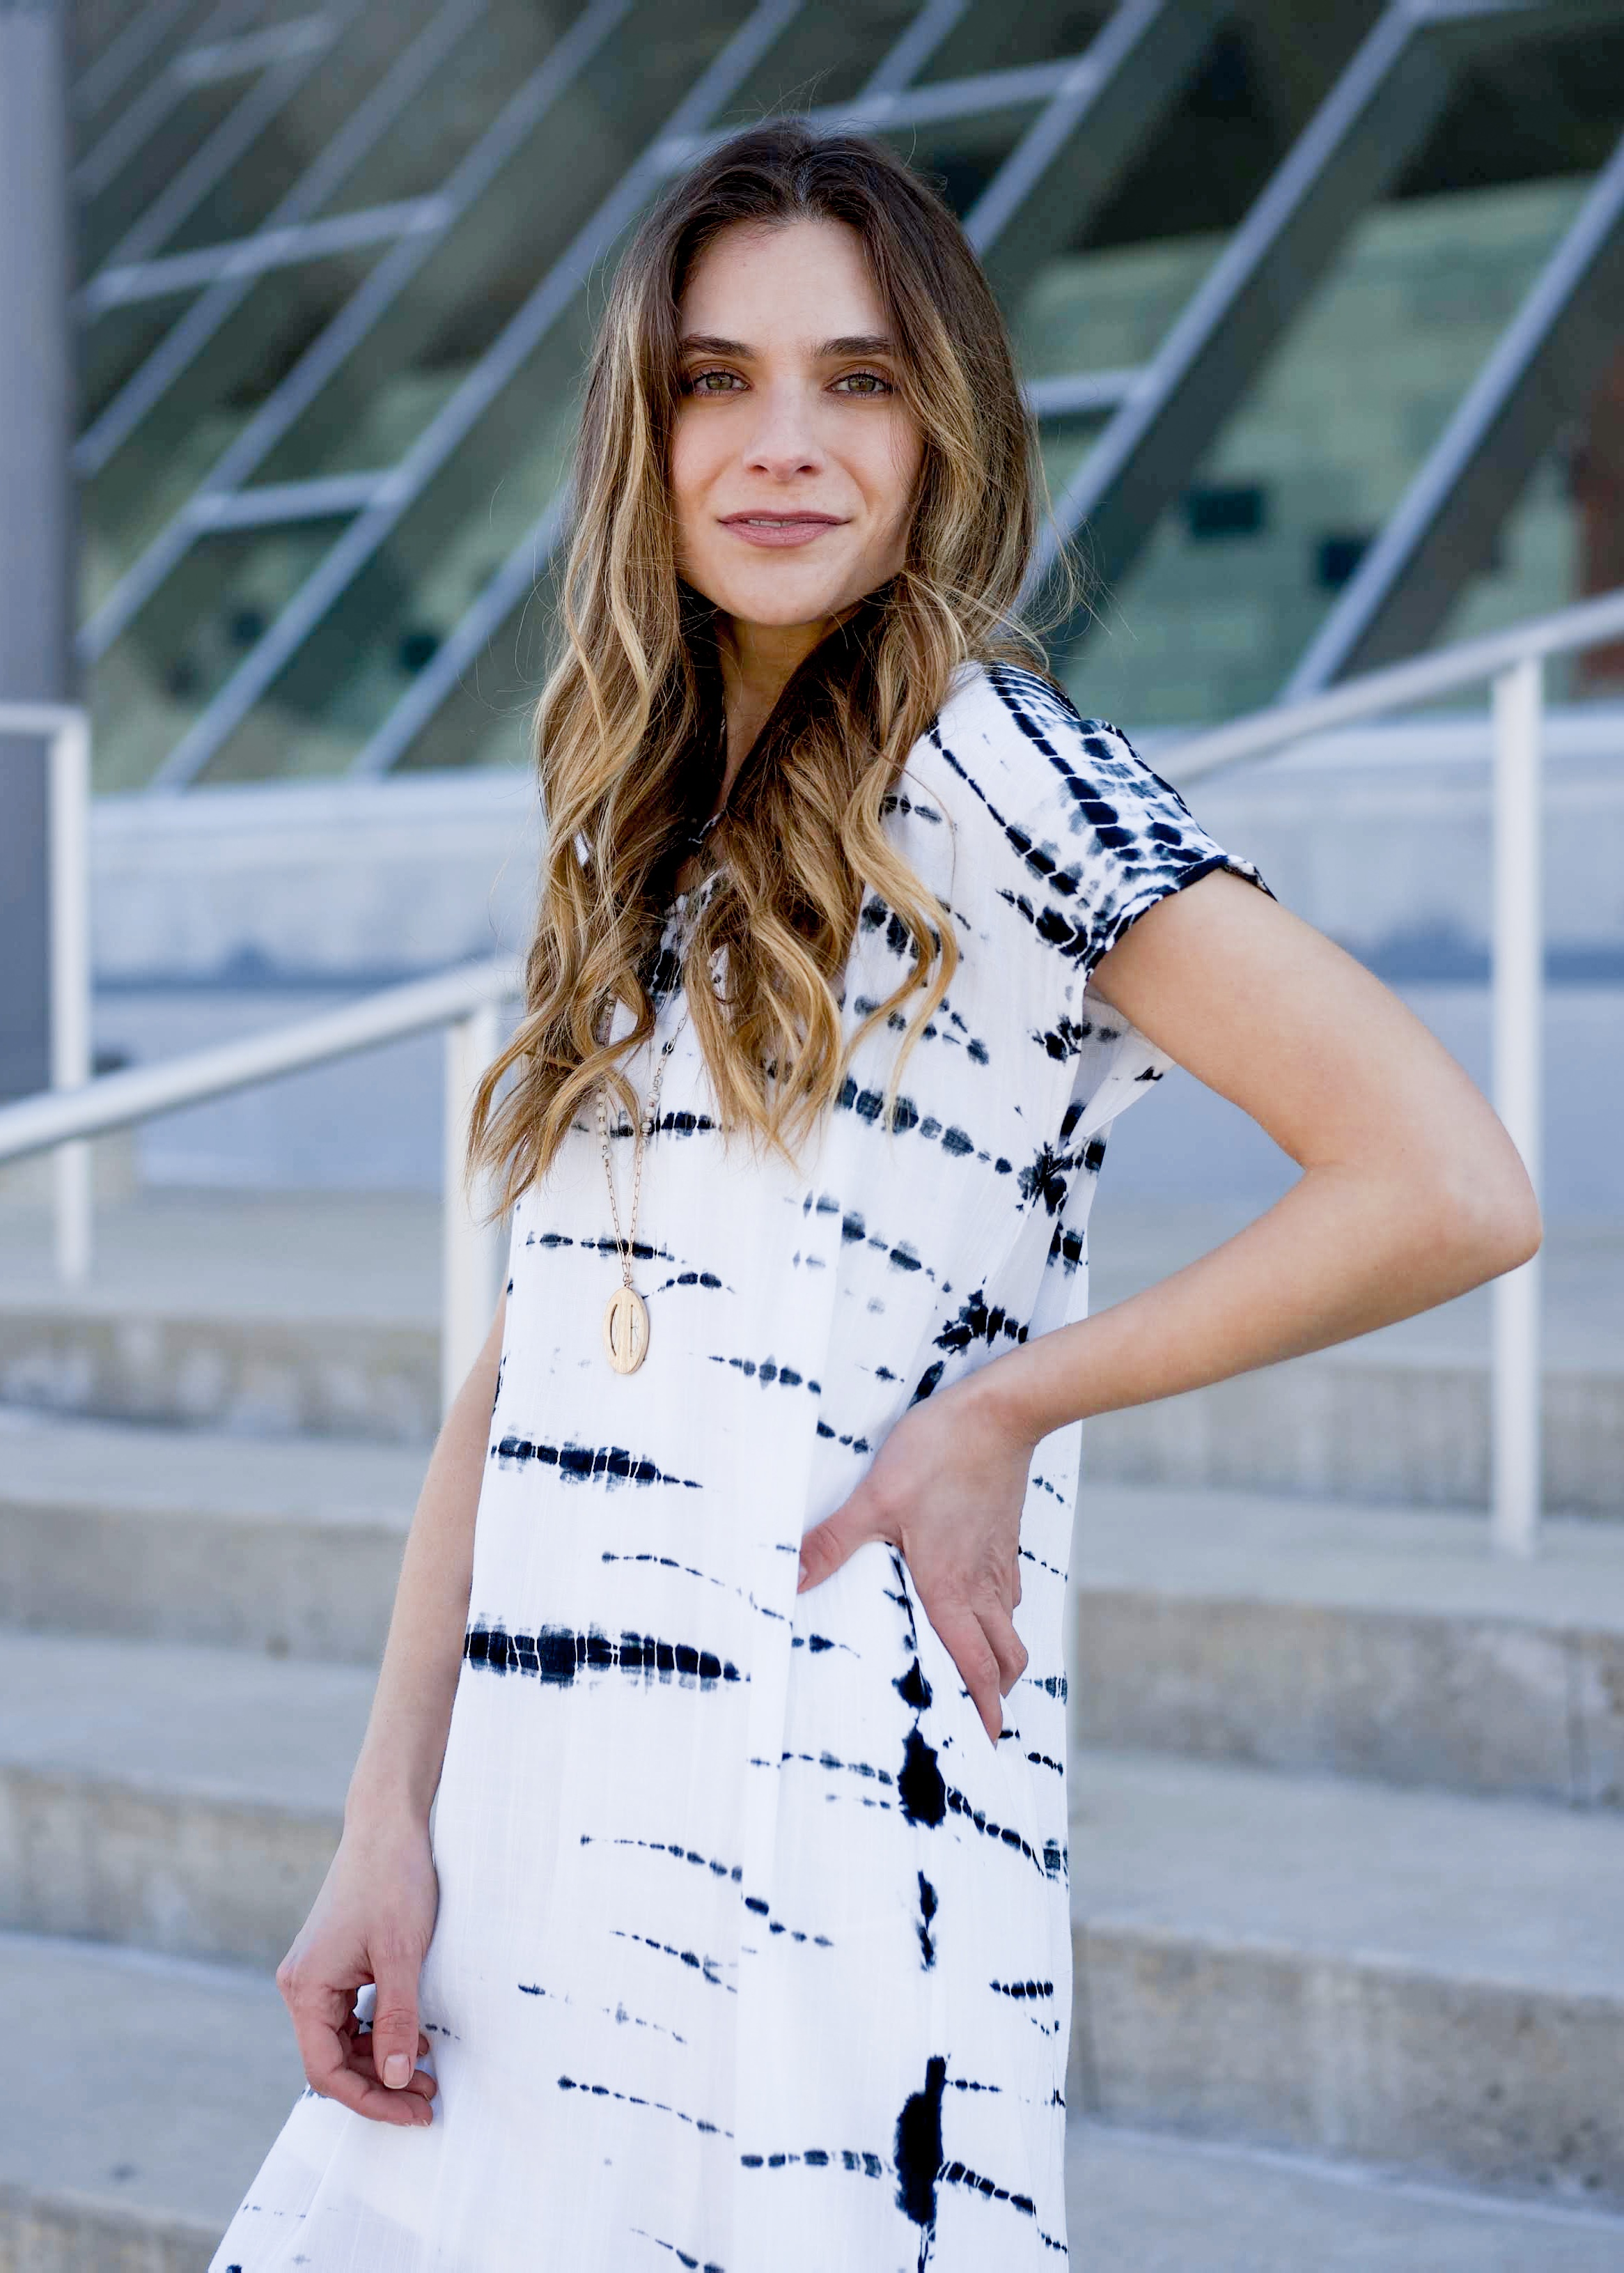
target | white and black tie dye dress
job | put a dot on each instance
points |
(752, 1954)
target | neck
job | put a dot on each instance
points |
(758, 663)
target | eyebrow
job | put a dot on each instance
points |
(852, 343)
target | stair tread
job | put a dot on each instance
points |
(211, 2043)
(1483, 1889)
(215, 2042)
(1148, 2203)
(1490, 1891)
(1239, 1546)
(369, 1258)
(56, 1461)
(176, 1718)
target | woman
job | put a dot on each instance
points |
(741, 1938)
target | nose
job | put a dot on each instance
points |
(783, 440)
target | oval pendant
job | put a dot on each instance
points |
(625, 1330)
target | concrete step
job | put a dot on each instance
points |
(143, 2092)
(270, 1315)
(1140, 2202)
(1372, 1420)
(1401, 1416)
(1367, 1423)
(316, 1313)
(288, 1547)
(174, 1797)
(1308, 1964)
(139, 2095)
(1417, 1979)
(1375, 1642)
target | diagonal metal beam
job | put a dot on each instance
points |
(1072, 156)
(907, 56)
(506, 592)
(361, 132)
(1355, 145)
(472, 401)
(1443, 531)
(279, 81)
(474, 175)
(125, 53)
(278, 245)
(889, 110)
(136, 125)
(1378, 112)
(1081, 394)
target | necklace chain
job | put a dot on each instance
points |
(645, 1129)
(625, 1316)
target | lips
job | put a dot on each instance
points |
(780, 529)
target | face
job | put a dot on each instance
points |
(793, 458)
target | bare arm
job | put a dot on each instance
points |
(1410, 1194)
(375, 1914)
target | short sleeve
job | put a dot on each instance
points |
(1100, 839)
(1105, 838)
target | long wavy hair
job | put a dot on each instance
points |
(629, 732)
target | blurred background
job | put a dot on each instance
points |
(1320, 306)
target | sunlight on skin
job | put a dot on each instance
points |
(793, 458)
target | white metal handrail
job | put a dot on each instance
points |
(465, 1001)
(64, 729)
(1513, 665)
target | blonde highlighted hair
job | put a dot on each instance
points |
(629, 728)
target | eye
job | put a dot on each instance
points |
(714, 382)
(863, 382)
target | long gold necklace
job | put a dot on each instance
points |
(625, 1316)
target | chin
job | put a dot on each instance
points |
(777, 603)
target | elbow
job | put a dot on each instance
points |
(1486, 1220)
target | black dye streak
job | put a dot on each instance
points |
(733, 1870)
(919, 2154)
(927, 1913)
(976, 1322)
(682, 2256)
(767, 1370)
(632, 2099)
(919, 1785)
(609, 1464)
(555, 1654)
(708, 1968)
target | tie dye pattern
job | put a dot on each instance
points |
(753, 1955)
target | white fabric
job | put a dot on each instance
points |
(753, 1954)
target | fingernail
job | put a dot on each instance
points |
(801, 1580)
(397, 2072)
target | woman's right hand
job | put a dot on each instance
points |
(371, 1921)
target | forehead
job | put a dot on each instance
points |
(790, 280)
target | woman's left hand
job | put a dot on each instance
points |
(947, 1488)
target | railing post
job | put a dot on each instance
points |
(69, 978)
(471, 1252)
(1518, 990)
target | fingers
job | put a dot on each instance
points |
(967, 1644)
(834, 1540)
(394, 2017)
(1004, 1643)
(338, 2054)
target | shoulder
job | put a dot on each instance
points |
(1019, 745)
(1078, 834)
(1011, 746)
